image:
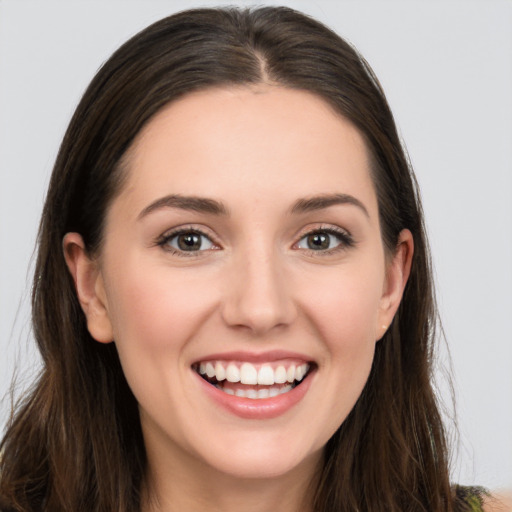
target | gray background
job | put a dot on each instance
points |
(447, 69)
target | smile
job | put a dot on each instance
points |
(254, 381)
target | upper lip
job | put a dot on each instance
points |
(254, 357)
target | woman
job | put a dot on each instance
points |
(232, 297)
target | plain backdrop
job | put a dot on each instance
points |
(446, 67)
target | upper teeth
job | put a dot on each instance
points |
(247, 373)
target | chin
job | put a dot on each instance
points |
(263, 457)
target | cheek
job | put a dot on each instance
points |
(343, 308)
(155, 313)
(344, 305)
(157, 308)
(347, 322)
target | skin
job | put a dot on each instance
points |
(500, 502)
(257, 286)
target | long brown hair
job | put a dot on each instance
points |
(75, 441)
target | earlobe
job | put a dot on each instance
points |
(397, 274)
(89, 287)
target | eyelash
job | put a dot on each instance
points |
(344, 237)
(164, 240)
(346, 241)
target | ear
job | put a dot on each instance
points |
(397, 273)
(89, 287)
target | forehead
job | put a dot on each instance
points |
(262, 141)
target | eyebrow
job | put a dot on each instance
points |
(213, 207)
(325, 201)
(190, 203)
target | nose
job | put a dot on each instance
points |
(257, 296)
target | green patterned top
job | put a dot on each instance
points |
(469, 499)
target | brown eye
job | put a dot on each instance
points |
(318, 241)
(325, 240)
(189, 241)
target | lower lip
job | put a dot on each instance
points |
(261, 408)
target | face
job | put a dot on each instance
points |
(243, 279)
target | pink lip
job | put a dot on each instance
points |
(257, 409)
(253, 357)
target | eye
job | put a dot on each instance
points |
(186, 241)
(325, 240)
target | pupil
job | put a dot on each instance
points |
(318, 241)
(189, 242)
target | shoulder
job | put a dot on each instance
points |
(498, 502)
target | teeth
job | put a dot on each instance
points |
(210, 370)
(232, 373)
(263, 393)
(273, 392)
(220, 373)
(266, 375)
(251, 393)
(280, 375)
(249, 374)
(257, 394)
(285, 389)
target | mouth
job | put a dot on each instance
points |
(255, 381)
